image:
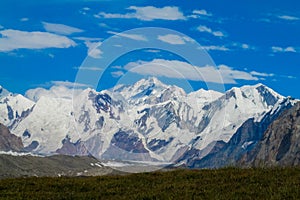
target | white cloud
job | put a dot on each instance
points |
(291, 77)
(15, 39)
(183, 70)
(148, 13)
(202, 12)
(173, 39)
(152, 50)
(245, 46)
(24, 19)
(89, 68)
(255, 73)
(215, 48)
(93, 50)
(130, 36)
(86, 8)
(287, 17)
(117, 74)
(59, 89)
(51, 55)
(103, 25)
(281, 49)
(231, 74)
(61, 28)
(69, 84)
(209, 30)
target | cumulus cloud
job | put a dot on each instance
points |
(281, 49)
(61, 28)
(182, 70)
(15, 39)
(147, 13)
(59, 89)
(209, 30)
(173, 39)
(130, 36)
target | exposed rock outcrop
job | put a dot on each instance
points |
(280, 145)
(8, 141)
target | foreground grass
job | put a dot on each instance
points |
(230, 183)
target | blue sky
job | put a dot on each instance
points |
(55, 42)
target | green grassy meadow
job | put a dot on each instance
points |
(228, 183)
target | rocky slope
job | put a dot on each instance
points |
(280, 145)
(54, 166)
(8, 141)
(243, 141)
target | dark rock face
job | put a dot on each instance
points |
(129, 142)
(69, 148)
(243, 141)
(156, 144)
(8, 141)
(268, 96)
(280, 145)
(126, 145)
(33, 145)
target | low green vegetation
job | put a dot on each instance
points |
(228, 183)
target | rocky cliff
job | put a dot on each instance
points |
(8, 141)
(280, 144)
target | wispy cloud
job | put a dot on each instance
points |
(202, 12)
(86, 8)
(281, 49)
(117, 74)
(24, 19)
(92, 44)
(261, 74)
(15, 39)
(89, 68)
(279, 18)
(288, 17)
(215, 48)
(61, 28)
(183, 70)
(130, 36)
(93, 50)
(209, 30)
(69, 84)
(173, 39)
(147, 13)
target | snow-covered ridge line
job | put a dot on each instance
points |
(13, 153)
(145, 122)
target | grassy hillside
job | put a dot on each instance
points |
(227, 183)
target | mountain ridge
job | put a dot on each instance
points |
(147, 121)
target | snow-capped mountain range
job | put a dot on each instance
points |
(148, 121)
